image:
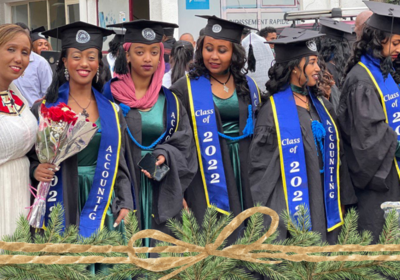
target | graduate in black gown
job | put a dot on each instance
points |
(157, 124)
(296, 156)
(368, 114)
(334, 46)
(218, 94)
(94, 185)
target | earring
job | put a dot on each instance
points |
(295, 71)
(97, 75)
(66, 74)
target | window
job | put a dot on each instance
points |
(20, 13)
(47, 13)
(37, 12)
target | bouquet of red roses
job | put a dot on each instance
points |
(61, 134)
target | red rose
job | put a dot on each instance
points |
(70, 117)
(55, 114)
(44, 111)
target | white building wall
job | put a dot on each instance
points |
(165, 10)
(5, 10)
(87, 11)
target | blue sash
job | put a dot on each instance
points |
(292, 157)
(389, 94)
(172, 120)
(207, 141)
(94, 212)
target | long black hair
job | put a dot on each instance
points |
(59, 78)
(181, 54)
(114, 46)
(280, 73)
(336, 51)
(237, 69)
(371, 43)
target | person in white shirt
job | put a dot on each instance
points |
(37, 76)
(263, 56)
(109, 59)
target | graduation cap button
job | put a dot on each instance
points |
(148, 34)
(82, 37)
(216, 28)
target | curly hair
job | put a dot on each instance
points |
(59, 78)
(371, 42)
(336, 51)
(236, 67)
(280, 73)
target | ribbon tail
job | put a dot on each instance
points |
(249, 128)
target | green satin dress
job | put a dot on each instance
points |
(229, 112)
(87, 161)
(152, 129)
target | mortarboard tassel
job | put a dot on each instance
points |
(251, 60)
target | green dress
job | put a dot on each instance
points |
(229, 112)
(152, 129)
(87, 161)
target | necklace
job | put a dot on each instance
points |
(84, 112)
(300, 90)
(11, 102)
(224, 84)
(304, 101)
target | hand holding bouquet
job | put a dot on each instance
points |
(62, 134)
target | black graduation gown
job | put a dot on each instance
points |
(332, 69)
(195, 194)
(180, 154)
(370, 146)
(265, 171)
(123, 194)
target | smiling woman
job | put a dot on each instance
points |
(296, 154)
(94, 185)
(17, 128)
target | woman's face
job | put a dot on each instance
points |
(40, 45)
(217, 55)
(82, 65)
(14, 58)
(311, 71)
(391, 47)
(144, 59)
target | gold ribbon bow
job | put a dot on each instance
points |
(240, 252)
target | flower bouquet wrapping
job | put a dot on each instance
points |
(61, 134)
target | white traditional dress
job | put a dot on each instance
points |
(18, 128)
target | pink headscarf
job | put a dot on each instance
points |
(124, 89)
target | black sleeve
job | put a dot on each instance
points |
(371, 141)
(123, 191)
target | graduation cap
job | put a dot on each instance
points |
(169, 31)
(295, 46)
(219, 28)
(291, 31)
(36, 34)
(119, 35)
(79, 35)
(144, 31)
(335, 29)
(385, 17)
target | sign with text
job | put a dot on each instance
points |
(197, 4)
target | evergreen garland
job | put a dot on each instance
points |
(212, 267)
